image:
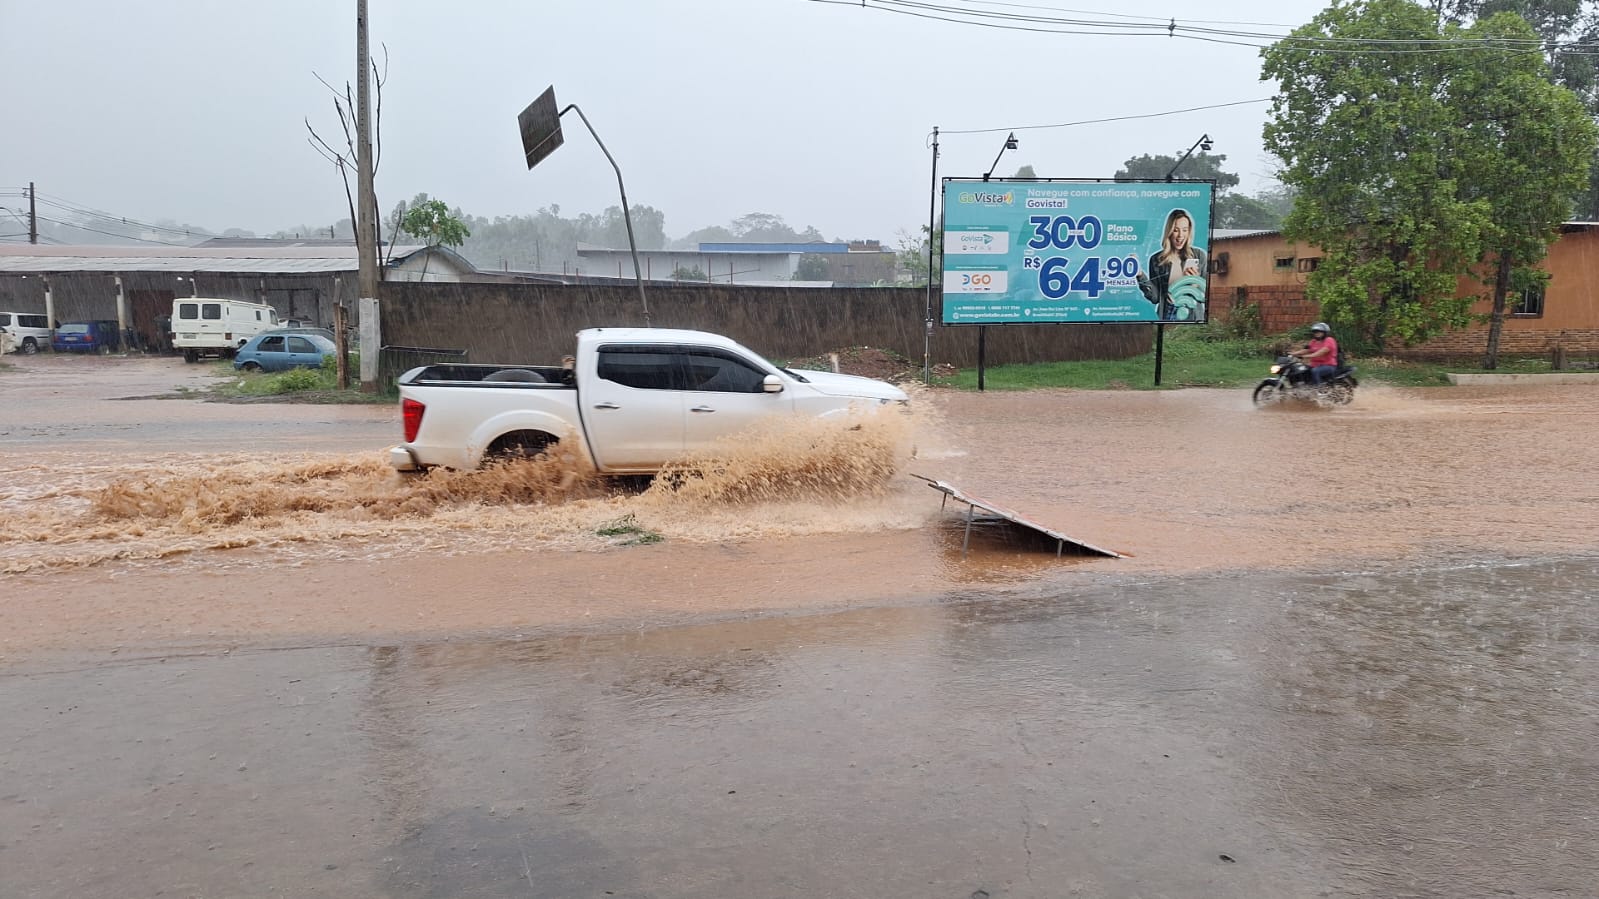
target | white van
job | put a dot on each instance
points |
(203, 326)
(29, 332)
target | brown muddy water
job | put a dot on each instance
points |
(1350, 653)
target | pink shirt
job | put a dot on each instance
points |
(1316, 356)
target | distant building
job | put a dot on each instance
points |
(852, 264)
(301, 279)
(1261, 268)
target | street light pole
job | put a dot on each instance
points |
(932, 222)
(1010, 144)
(627, 218)
(1202, 144)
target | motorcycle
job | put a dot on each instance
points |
(1291, 379)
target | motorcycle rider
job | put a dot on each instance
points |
(1321, 354)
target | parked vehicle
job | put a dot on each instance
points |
(1290, 379)
(632, 398)
(302, 329)
(87, 337)
(29, 331)
(202, 326)
(8, 344)
(281, 351)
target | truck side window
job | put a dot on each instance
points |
(188, 310)
(211, 311)
(712, 371)
(642, 368)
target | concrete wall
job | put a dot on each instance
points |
(535, 323)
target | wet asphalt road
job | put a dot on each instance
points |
(1398, 733)
(1423, 728)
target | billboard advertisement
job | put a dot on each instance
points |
(1030, 252)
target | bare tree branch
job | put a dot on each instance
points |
(344, 108)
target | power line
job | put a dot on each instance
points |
(1170, 28)
(1121, 118)
(110, 233)
(69, 206)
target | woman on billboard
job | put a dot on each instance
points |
(1175, 282)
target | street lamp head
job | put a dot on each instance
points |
(1204, 143)
(1010, 142)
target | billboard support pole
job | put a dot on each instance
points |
(982, 354)
(932, 219)
(1160, 348)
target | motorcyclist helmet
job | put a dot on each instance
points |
(1320, 326)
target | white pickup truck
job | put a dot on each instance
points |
(634, 398)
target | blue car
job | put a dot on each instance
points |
(87, 337)
(280, 351)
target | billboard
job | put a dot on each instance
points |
(1028, 252)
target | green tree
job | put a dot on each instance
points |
(1232, 210)
(812, 267)
(1527, 147)
(432, 222)
(1368, 139)
(911, 257)
(682, 273)
(1568, 30)
(1202, 166)
(1025, 171)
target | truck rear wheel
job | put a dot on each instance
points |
(520, 445)
(190, 356)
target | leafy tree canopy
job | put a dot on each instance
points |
(432, 222)
(1201, 166)
(812, 267)
(1398, 162)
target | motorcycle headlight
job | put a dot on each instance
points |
(1276, 369)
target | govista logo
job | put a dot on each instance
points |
(986, 198)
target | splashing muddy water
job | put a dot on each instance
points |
(788, 477)
(131, 507)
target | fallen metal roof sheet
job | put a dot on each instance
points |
(950, 491)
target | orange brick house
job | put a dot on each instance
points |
(1264, 269)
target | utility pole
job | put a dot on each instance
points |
(365, 239)
(33, 217)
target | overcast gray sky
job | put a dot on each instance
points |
(192, 110)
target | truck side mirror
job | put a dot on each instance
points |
(772, 384)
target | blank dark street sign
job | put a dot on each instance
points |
(541, 127)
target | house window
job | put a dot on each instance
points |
(1309, 263)
(1531, 302)
(1282, 263)
(1218, 263)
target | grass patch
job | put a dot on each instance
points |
(300, 385)
(1194, 359)
(628, 526)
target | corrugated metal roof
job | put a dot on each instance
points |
(1233, 233)
(29, 258)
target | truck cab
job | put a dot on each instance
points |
(637, 399)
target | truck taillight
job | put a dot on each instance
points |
(412, 411)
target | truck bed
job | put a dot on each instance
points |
(489, 375)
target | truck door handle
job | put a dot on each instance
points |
(702, 409)
(606, 406)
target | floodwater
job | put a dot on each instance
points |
(1349, 654)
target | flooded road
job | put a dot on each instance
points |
(1365, 673)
